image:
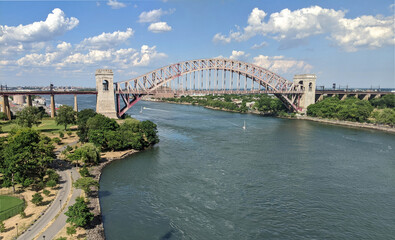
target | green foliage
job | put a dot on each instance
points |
(2, 227)
(61, 238)
(3, 116)
(38, 186)
(51, 183)
(387, 101)
(26, 157)
(82, 118)
(85, 172)
(385, 116)
(46, 192)
(37, 199)
(69, 133)
(61, 134)
(269, 104)
(65, 116)
(28, 117)
(78, 214)
(88, 153)
(22, 214)
(56, 140)
(351, 109)
(85, 183)
(71, 230)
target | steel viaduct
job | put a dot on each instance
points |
(197, 77)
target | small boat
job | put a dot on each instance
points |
(244, 126)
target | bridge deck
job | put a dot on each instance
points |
(48, 93)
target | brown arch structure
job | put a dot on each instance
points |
(202, 77)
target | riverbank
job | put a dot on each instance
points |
(373, 126)
(96, 230)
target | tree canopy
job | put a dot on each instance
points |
(29, 116)
(26, 156)
(65, 116)
(78, 214)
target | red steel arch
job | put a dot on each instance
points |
(150, 83)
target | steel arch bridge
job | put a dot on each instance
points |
(207, 76)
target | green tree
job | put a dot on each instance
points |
(97, 126)
(51, 183)
(78, 214)
(65, 116)
(71, 230)
(37, 199)
(29, 116)
(82, 118)
(150, 131)
(26, 157)
(88, 153)
(385, 116)
(2, 227)
(46, 192)
(86, 183)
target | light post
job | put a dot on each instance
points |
(44, 237)
(60, 204)
(16, 228)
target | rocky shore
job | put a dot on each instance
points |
(96, 230)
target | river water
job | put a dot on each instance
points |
(278, 179)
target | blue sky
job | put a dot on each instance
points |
(62, 42)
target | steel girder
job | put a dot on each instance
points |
(148, 83)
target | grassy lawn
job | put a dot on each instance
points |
(7, 202)
(47, 125)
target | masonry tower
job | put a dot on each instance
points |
(307, 83)
(105, 103)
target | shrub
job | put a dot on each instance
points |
(51, 183)
(56, 140)
(61, 134)
(38, 186)
(71, 230)
(46, 192)
(84, 172)
(2, 227)
(61, 238)
(37, 199)
(22, 214)
(69, 133)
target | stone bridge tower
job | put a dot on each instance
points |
(307, 83)
(105, 102)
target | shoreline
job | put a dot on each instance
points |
(372, 126)
(96, 230)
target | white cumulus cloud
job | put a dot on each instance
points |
(154, 15)
(107, 40)
(56, 24)
(238, 55)
(281, 65)
(159, 27)
(287, 26)
(114, 4)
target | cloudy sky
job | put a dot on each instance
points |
(348, 42)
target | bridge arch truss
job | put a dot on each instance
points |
(207, 76)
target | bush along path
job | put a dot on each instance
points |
(66, 173)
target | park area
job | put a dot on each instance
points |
(10, 206)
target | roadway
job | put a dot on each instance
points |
(67, 174)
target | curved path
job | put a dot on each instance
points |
(66, 175)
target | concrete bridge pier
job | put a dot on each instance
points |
(29, 101)
(53, 106)
(75, 103)
(307, 83)
(6, 107)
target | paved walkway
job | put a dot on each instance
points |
(54, 208)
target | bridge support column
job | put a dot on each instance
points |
(53, 106)
(366, 97)
(105, 103)
(6, 107)
(29, 100)
(75, 103)
(307, 83)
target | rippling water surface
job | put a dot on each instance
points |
(278, 179)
